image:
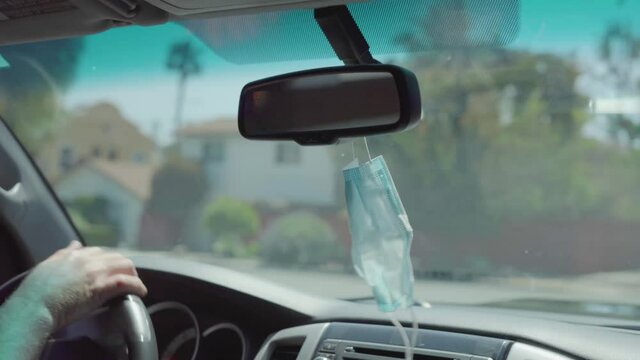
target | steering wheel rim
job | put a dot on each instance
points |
(124, 319)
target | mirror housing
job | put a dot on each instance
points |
(322, 106)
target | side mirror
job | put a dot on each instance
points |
(321, 106)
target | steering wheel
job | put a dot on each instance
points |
(120, 330)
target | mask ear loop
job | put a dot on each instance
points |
(414, 326)
(408, 349)
(366, 146)
(409, 344)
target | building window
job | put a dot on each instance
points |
(66, 157)
(139, 158)
(287, 153)
(213, 151)
(112, 155)
(97, 153)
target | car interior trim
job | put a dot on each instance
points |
(174, 305)
(233, 327)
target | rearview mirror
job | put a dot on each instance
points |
(321, 106)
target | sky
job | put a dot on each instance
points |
(126, 66)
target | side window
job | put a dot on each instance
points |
(287, 153)
(213, 151)
(139, 158)
(66, 157)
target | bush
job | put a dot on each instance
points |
(231, 222)
(235, 247)
(94, 209)
(177, 187)
(90, 215)
(94, 234)
(231, 217)
(300, 239)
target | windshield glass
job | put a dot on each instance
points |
(521, 182)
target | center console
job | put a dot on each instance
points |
(351, 341)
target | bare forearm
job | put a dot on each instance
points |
(67, 286)
(25, 325)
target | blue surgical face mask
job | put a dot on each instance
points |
(380, 233)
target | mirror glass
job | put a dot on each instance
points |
(320, 102)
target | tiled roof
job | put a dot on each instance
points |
(222, 126)
(131, 176)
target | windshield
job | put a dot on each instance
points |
(521, 182)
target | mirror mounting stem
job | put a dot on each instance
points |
(344, 35)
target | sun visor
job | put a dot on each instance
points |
(35, 20)
(390, 27)
(224, 7)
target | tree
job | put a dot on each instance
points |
(177, 188)
(441, 159)
(91, 217)
(620, 51)
(31, 87)
(300, 239)
(182, 58)
(231, 222)
(530, 172)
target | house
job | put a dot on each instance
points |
(279, 173)
(96, 132)
(125, 184)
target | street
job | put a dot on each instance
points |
(610, 288)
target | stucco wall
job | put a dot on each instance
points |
(125, 208)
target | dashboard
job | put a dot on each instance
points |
(194, 319)
(180, 335)
(201, 311)
(351, 341)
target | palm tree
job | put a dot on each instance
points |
(183, 58)
(620, 50)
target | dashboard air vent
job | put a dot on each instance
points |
(355, 350)
(285, 352)
(392, 354)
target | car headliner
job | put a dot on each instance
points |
(88, 17)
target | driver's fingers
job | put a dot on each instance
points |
(118, 264)
(89, 253)
(107, 264)
(81, 255)
(74, 245)
(119, 284)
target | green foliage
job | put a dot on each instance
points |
(300, 239)
(619, 51)
(33, 83)
(501, 139)
(91, 218)
(234, 247)
(528, 171)
(464, 169)
(57, 60)
(177, 187)
(231, 222)
(231, 217)
(93, 209)
(183, 57)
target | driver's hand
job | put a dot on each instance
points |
(77, 280)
